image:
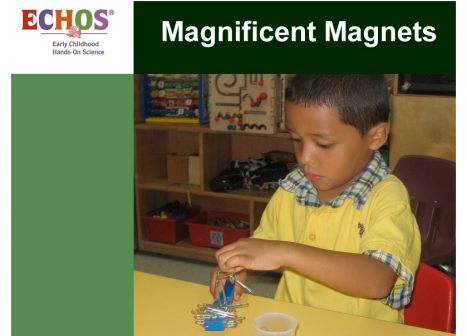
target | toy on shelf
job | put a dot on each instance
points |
(244, 102)
(263, 173)
(173, 98)
(221, 313)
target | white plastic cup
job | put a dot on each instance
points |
(275, 324)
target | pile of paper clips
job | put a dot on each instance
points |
(221, 313)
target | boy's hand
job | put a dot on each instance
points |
(252, 254)
(215, 291)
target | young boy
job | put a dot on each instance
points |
(339, 226)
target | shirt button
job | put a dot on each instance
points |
(311, 236)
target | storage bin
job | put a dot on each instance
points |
(168, 230)
(203, 234)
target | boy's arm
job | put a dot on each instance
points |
(352, 274)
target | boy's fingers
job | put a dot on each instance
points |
(224, 249)
(212, 285)
(234, 263)
(213, 290)
(238, 293)
(216, 287)
(241, 276)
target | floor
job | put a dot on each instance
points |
(263, 284)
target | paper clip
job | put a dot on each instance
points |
(221, 313)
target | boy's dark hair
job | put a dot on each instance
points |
(362, 101)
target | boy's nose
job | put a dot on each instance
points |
(307, 155)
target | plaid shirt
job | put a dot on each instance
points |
(359, 191)
(400, 295)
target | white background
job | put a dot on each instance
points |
(32, 51)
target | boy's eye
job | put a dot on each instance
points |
(324, 146)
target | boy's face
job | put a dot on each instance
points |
(331, 154)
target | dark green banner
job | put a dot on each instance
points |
(292, 37)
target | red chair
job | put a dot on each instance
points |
(431, 183)
(433, 301)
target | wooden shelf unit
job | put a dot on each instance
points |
(152, 189)
(422, 124)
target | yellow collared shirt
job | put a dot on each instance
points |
(385, 223)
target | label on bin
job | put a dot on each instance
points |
(216, 238)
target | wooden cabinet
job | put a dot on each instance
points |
(215, 149)
(422, 125)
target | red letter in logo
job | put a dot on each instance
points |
(28, 17)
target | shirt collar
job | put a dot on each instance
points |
(358, 191)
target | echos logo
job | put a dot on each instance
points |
(64, 19)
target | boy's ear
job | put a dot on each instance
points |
(378, 135)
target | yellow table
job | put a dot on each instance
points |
(162, 306)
